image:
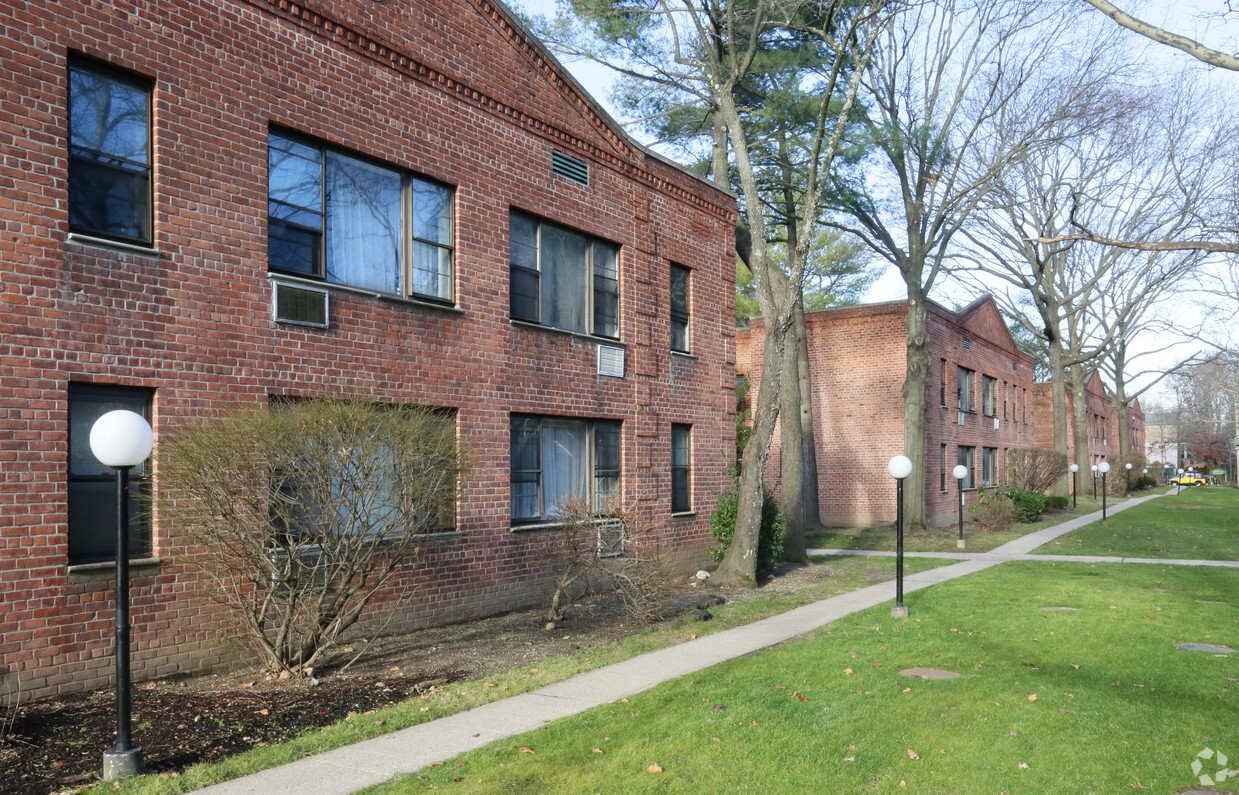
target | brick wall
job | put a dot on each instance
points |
(858, 363)
(452, 91)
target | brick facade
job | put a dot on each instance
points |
(457, 92)
(1103, 438)
(857, 361)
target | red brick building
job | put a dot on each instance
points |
(977, 404)
(210, 204)
(1103, 438)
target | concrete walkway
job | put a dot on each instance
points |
(353, 767)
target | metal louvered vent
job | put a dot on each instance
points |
(611, 360)
(569, 168)
(306, 307)
(967, 344)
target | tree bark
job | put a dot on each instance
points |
(1079, 415)
(914, 385)
(1058, 399)
(799, 456)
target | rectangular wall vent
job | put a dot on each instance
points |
(611, 361)
(967, 344)
(569, 167)
(301, 305)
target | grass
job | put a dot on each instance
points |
(1095, 699)
(1200, 523)
(847, 575)
(942, 539)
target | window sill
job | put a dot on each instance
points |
(684, 354)
(577, 334)
(116, 245)
(451, 309)
(682, 514)
(110, 566)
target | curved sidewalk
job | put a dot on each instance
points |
(364, 764)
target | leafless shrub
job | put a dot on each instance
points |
(1120, 479)
(1035, 469)
(588, 552)
(307, 511)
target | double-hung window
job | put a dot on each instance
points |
(109, 154)
(989, 466)
(556, 458)
(562, 278)
(353, 222)
(989, 396)
(680, 308)
(92, 484)
(964, 389)
(681, 468)
(965, 456)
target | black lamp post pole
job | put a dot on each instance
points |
(1074, 488)
(124, 760)
(1103, 497)
(1094, 485)
(959, 484)
(899, 547)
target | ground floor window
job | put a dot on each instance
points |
(681, 468)
(555, 458)
(965, 457)
(92, 485)
(989, 466)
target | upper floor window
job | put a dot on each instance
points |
(679, 308)
(353, 222)
(989, 396)
(562, 278)
(92, 484)
(109, 153)
(964, 389)
(681, 468)
(942, 386)
(556, 458)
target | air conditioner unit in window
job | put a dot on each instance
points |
(611, 360)
(303, 306)
(611, 539)
(961, 418)
(995, 423)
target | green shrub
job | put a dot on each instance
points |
(770, 539)
(1144, 483)
(1028, 505)
(1056, 503)
(993, 511)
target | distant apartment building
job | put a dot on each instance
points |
(210, 204)
(1103, 438)
(978, 404)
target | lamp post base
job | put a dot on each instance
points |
(899, 611)
(122, 764)
(961, 544)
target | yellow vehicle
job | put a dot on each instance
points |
(1189, 479)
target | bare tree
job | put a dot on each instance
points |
(307, 512)
(1162, 36)
(943, 77)
(1112, 167)
(708, 56)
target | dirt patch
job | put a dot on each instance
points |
(58, 744)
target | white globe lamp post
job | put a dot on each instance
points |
(899, 468)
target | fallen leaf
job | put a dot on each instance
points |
(488, 684)
(848, 672)
(720, 706)
(265, 711)
(597, 750)
(623, 700)
(692, 636)
(907, 690)
(394, 668)
(1023, 765)
(434, 764)
(653, 769)
(849, 759)
(1032, 697)
(1073, 665)
(913, 754)
(903, 783)
(380, 722)
(715, 740)
(248, 684)
(425, 709)
(527, 751)
(802, 699)
(535, 670)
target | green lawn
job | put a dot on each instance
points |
(841, 576)
(1200, 523)
(1096, 699)
(942, 539)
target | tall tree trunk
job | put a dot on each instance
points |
(914, 385)
(1079, 418)
(1058, 400)
(799, 455)
(739, 566)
